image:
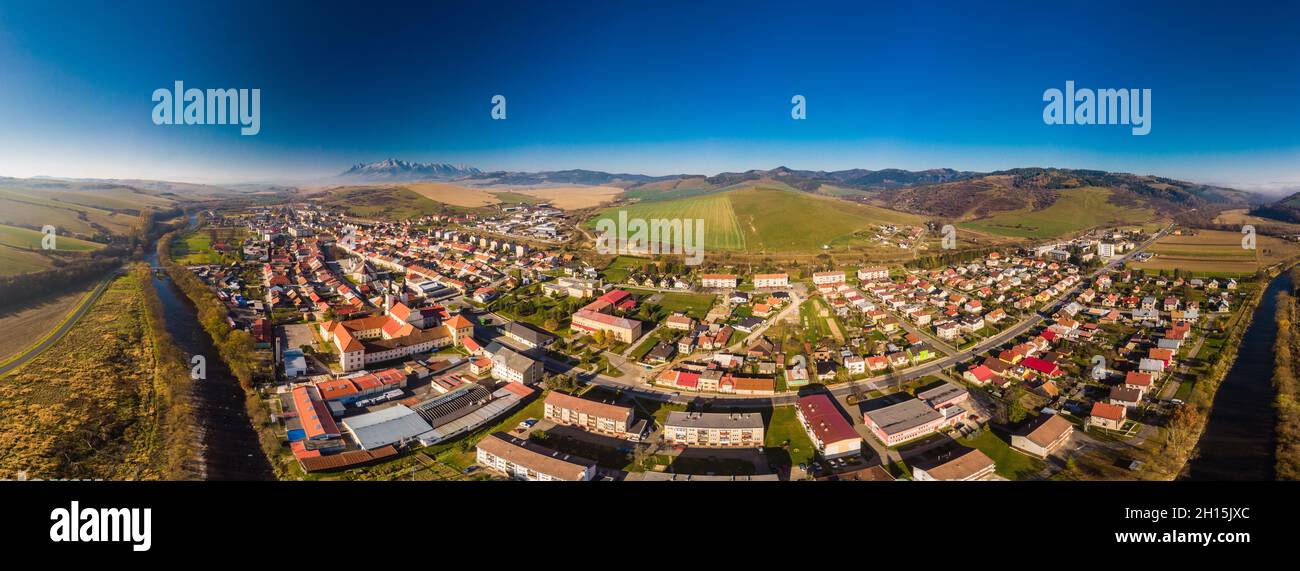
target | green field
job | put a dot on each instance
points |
(14, 261)
(721, 231)
(769, 218)
(1076, 209)
(618, 269)
(25, 238)
(195, 248)
(695, 305)
(784, 427)
(1010, 464)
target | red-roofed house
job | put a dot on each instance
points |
(1041, 366)
(1107, 415)
(833, 435)
(979, 375)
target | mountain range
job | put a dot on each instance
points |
(940, 191)
(390, 170)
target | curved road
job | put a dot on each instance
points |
(63, 329)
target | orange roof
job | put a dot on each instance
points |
(336, 389)
(315, 418)
(346, 342)
(367, 383)
(459, 322)
(400, 311)
(1138, 379)
(1108, 411)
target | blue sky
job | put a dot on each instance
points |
(698, 87)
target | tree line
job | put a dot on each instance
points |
(1286, 379)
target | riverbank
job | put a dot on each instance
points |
(235, 349)
(1236, 441)
(109, 400)
(1286, 380)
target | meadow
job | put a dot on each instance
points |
(91, 406)
(1076, 210)
(195, 248)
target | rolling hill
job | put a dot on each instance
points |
(1073, 210)
(1035, 203)
(1034, 189)
(769, 217)
(1285, 210)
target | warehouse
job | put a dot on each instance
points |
(396, 425)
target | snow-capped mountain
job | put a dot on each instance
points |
(399, 170)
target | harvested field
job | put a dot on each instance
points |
(572, 197)
(454, 195)
(29, 322)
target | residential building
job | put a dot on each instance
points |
(718, 280)
(588, 415)
(714, 429)
(1106, 415)
(828, 278)
(872, 273)
(509, 365)
(1047, 435)
(587, 322)
(523, 460)
(968, 466)
(528, 335)
(771, 280)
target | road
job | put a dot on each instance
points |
(634, 388)
(50, 340)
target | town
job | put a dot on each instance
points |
(461, 348)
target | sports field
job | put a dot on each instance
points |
(1077, 209)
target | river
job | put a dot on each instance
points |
(1239, 442)
(229, 448)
